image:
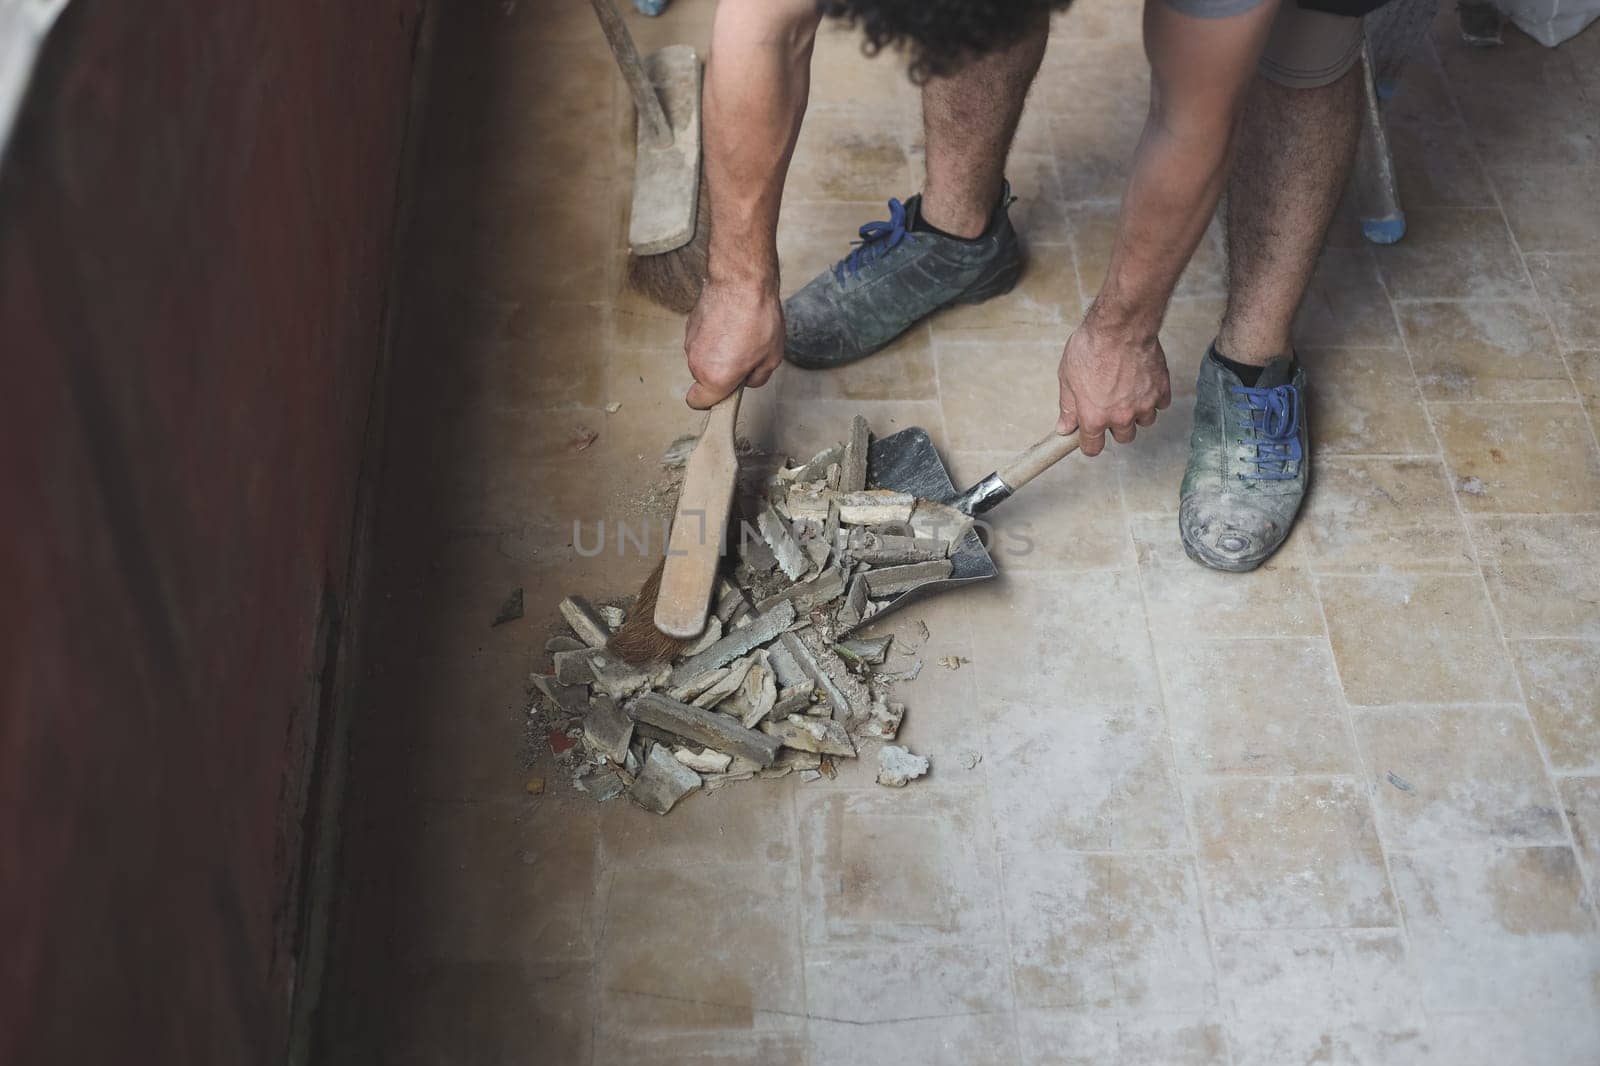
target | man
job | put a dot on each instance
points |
(1259, 96)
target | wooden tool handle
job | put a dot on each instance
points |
(644, 94)
(694, 548)
(1037, 459)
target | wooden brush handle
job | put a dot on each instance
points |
(1037, 459)
(644, 94)
(694, 548)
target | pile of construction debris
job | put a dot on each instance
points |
(777, 684)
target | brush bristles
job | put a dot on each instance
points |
(637, 640)
(674, 279)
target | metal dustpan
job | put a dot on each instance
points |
(908, 462)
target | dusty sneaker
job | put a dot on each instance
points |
(1249, 463)
(896, 276)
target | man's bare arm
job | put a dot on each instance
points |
(1113, 371)
(757, 80)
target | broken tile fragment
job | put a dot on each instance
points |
(785, 667)
(606, 730)
(562, 642)
(939, 521)
(792, 559)
(620, 680)
(678, 451)
(825, 587)
(817, 468)
(870, 650)
(793, 700)
(706, 727)
(712, 634)
(663, 782)
(853, 457)
(809, 503)
(585, 621)
(898, 766)
(806, 733)
(708, 761)
(756, 696)
(601, 783)
(574, 699)
(853, 609)
(766, 626)
(893, 580)
(875, 507)
(888, 549)
(510, 610)
(574, 667)
(612, 616)
(732, 677)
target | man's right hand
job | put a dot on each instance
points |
(735, 336)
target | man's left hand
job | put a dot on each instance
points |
(1111, 380)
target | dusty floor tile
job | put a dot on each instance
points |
(1151, 469)
(902, 371)
(814, 236)
(1365, 515)
(802, 429)
(1569, 285)
(1107, 931)
(897, 867)
(850, 157)
(748, 825)
(980, 386)
(1099, 1038)
(1365, 402)
(1561, 682)
(657, 918)
(1184, 597)
(464, 884)
(1032, 644)
(492, 1013)
(1444, 776)
(1434, 162)
(1094, 232)
(1551, 208)
(1186, 335)
(1097, 145)
(1045, 302)
(1526, 459)
(1585, 367)
(845, 80)
(1265, 706)
(1415, 639)
(1453, 253)
(1500, 929)
(725, 1046)
(1484, 351)
(1290, 853)
(1039, 215)
(1492, 1038)
(1541, 573)
(1581, 798)
(932, 1004)
(1069, 519)
(1338, 995)
(1345, 305)
(1083, 777)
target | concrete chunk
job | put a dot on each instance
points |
(897, 579)
(606, 730)
(897, 766)
(663, 782)
(792, 559)
(883, 721)
(705, 727)
(766, 626)
(805, 733)
(875, 507)
(585, 621)
(853, 460)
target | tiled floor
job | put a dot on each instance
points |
(1343, 810)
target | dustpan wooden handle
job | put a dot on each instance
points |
(1037, 459)
(644, 94)
(694, 546)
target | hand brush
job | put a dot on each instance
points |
(671, 608)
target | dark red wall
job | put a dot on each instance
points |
(196, 235)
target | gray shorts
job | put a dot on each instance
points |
(1307, 49)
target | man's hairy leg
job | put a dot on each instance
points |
(969, 119)
(1295, 150)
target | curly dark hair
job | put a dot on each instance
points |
(940, 35)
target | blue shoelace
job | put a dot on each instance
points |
(1274, 418)
(877, 240)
